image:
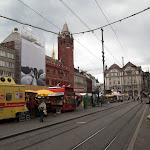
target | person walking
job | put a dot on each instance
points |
(138, 98)
(31, 106)
(84, 101)
(42, 108)
(141, 99)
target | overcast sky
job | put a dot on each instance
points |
(133, 33)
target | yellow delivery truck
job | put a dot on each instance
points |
(12, 100)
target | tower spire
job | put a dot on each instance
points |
(53, 52)
(65, 29)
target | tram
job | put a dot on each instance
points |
(64, 101)
(12, 100)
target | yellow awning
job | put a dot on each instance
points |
(44, 92)
(30, 91)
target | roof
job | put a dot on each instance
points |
(114, 66)
(65, 29)
(130, 64)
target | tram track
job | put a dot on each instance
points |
(121, 130)
(62, 132)
(107, 146)
(57, 123)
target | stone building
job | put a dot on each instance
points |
(26, 45)
(80, 81)
(7, 60)
(127, 79)
(146, 84)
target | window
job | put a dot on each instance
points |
(2, 63)
(134, 81)
(9, 55)
(51, 71)
(6, 64)
(118, 82)
(9, 74)
(8, 97)
(10, 65)
(2, 53)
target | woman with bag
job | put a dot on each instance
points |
(42, 109)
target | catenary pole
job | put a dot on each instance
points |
(103, 63)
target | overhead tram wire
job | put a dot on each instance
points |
(78, 17)
(26, 24)
(60, 29)
(88, 50)
(112, 55)
(92, 30)
(39, 14)
(55, 25)
(112, 29)
(83, 23)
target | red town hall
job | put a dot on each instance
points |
(61, 71)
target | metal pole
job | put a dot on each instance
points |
(103, 62)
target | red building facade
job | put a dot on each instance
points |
(61, 70)
(65, 51)
(56, 72)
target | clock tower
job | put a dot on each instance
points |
(65, 51)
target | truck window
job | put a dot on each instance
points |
(8, 96)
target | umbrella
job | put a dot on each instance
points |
(30, 91)
(44, 92)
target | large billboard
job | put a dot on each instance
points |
(32, 63)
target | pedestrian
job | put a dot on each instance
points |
(149, 99)
(31, 106)
(92, 102)
(42, 109)
(27, 101)
(84, 102)
(101, 100)
(138, 98)
(141, 99)
(133, 98)
(121, 99)
(78, 102)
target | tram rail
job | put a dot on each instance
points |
(50, 125)
(50, 137)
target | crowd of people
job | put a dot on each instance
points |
(37, 107)
(138, 98)
(88, 100)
